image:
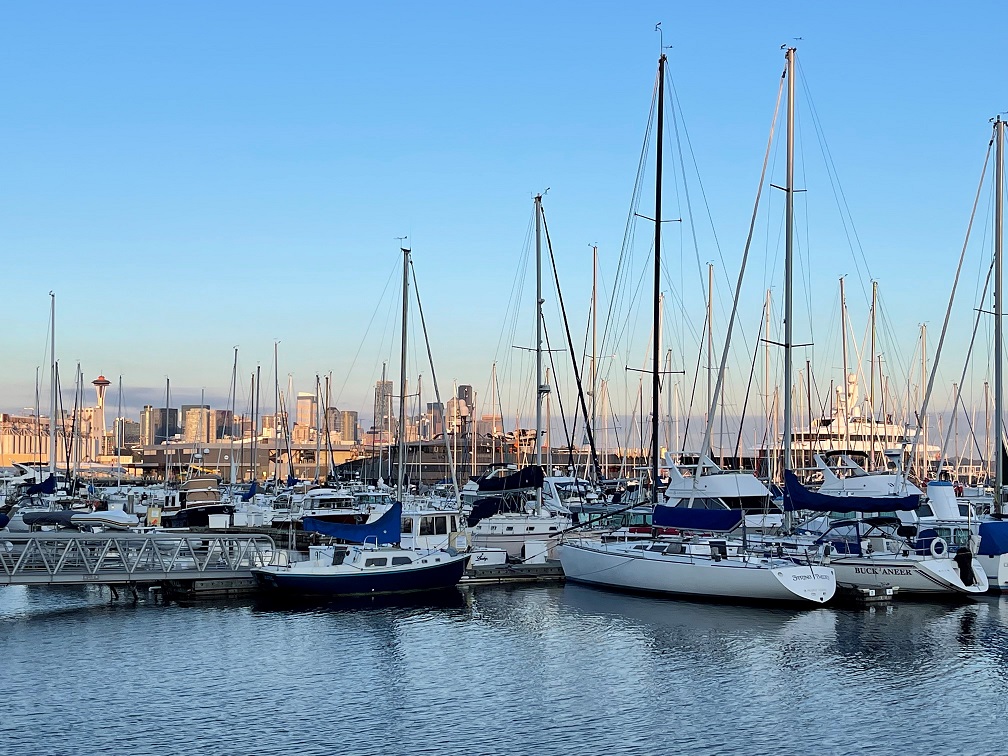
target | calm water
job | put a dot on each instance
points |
(525, 670)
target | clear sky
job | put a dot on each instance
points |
(191, 176)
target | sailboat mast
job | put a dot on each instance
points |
(789, 255)
(541, 389)
(998, 303)
(52, 385)
(402, 375)
(657, 279)
(846, 367)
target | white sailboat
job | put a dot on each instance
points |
(698, 567)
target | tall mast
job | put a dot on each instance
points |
(657, 280)
(52, 385)
(871, 379)
(402, 376)
(846, 366)
(541, 389)
(710, 332)
(231, 420)
(922, 466)
(789, 255)
(998, 240)
(594, 317)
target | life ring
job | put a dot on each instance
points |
(936, 550)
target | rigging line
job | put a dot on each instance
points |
(705, 446)
(745, 404)
(628, 230)
(966, 362)
(568, 436)
(838, 193)
(570, 346)
(360, 345)
(948, 310)
(437, 390)
(703, 192)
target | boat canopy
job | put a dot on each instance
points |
(47, 486)
(528, 477)
(798, 497)
(386, 529)
(692, 518)
(247, 496)
(993, 538)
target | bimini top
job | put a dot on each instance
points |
(798, 497)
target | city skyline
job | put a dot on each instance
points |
(182, 193)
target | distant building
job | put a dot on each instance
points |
(223, 424)
(348, 427)
(383, 405)
(196, 424)
(157, 425)
(125, 434)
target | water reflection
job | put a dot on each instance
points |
(519, 670)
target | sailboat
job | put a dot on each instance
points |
(533, 531)
(377, 563)
(698, 567)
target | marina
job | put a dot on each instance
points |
(460, 379)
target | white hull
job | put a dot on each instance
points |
(995, 567)
(512, 532)
(924, 576)
(622, 567)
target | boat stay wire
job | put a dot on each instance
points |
(570, 346)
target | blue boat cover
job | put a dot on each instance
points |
(247, 496)
(993, 538)
(387, 528)
(696, 519)
(47, 486)
(4, 519)
(799, 497)
(528, 477)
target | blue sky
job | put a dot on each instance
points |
(188, 177)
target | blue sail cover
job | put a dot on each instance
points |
(47, 486)
(247, 496)
(696, 519)
(528, 477)
(387, 528)
(993, 538)
(799, 497)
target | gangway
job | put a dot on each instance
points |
(127, 558)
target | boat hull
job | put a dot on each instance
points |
(925, 577)
(621, 568)
(332, 581)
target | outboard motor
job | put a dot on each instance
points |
(964, 558)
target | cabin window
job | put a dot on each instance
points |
(426, 526)
(964, 510)
(376, 562)
(396, 561)
(454, 524)
(509, 528)
(441, 526)
(552, 528)
(924, 510)
(407, 525)
(530, 529)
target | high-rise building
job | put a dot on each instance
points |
(223, 424)
(157, 424)
(435, 421)
(348, 427)
(383, 404)
(125, 434)
(307, 409)
(196, 422)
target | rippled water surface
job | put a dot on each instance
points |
(524, 670)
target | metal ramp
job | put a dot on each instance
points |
(124, 558)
